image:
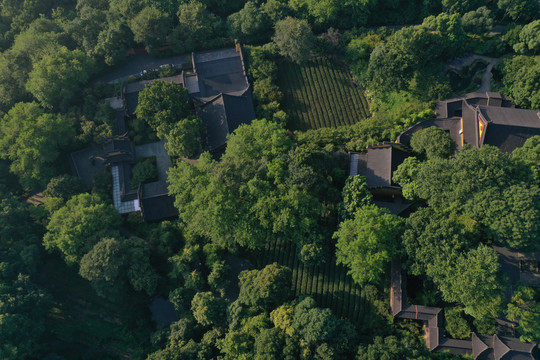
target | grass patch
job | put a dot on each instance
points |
(320, 93)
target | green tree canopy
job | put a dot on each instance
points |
(196, 25)
(113, 263)
(208, 309)
(23, 307)
(64, 186)
(355, 195)
(184, 138)
(250, 25)
(476, 282)
(519, 10)
(477, 21)
(151, 27)
(525, 308)
(76, 227)
(58, 76)
(265, 288)
(521, 74)
(294, 39)
(161, 105)
(366, 243)
(432, 142)
(32, 140)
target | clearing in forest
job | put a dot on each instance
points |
(330, 286)
(320, 93)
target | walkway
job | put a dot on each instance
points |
(466, 60)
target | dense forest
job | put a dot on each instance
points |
(77, 277)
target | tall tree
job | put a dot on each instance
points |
(208, 309)
(32, 140)
(162, 104)
(150, 27)
(366, 243)
(184, 138)
(294, 39)
(250, 25)
(525, 308)
(265, 288)
(57, 77)
(76, 227)
(432, 142)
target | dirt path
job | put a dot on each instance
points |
(466, 60)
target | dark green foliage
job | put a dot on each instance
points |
(528, 156)
(112, 263)
(477, 21)
(247, 186)
(521, 73)
(208, 309)
(19, 238)
(312, 323)
(184, 138)
(466, 184)
(249, 25)
(393, 347)
(76, 227)
(102, 186)
(525, 308)
(57, 77)
(196, 27)
(150, 27)
(265, 288)
(519, 10)
(456, 324)
(64, 186)
(409, 51)
(32, 140)
(269, 344)
(294, 39)
(23, 306)
(183, 329)
(528, 39)
(355, 196)
(432, 142)
(480, 194)
(161, 105)
(144, 171)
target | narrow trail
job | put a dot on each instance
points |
(466, 60)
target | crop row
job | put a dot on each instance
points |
(328, 283)
(320, 93)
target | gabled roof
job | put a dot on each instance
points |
(223, 114)
(478, 346)
(499, 348)
(220, 71)
(382, 160)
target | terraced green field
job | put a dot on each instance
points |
(320, 93)
(328, 284)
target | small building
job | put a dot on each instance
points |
(481, 119)
(378, 165)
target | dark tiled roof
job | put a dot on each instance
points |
(220, 71)
(478, 346)
(382, 160)
(511, 116)
(223, 114)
